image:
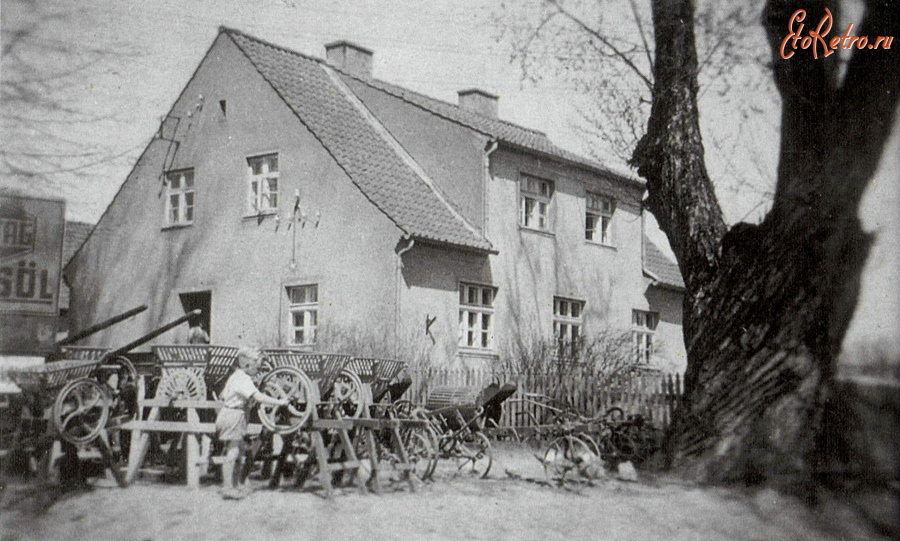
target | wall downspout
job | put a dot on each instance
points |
(398, 289)
(486, 207)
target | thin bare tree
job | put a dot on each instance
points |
(42, 75)
(602, 53)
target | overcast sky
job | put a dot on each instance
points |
(435, 47)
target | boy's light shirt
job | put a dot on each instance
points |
(238, 390)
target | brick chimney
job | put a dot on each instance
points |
(479, 101)
(350, 57)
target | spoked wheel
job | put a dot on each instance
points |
(182, 384)
(295, 386)
(402, 409)
(120, 376)
(473, 456)
(421, 447)
(567, 453)
(81, 410)
(347, 395)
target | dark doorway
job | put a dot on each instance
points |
(201, 300)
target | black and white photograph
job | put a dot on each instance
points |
(449, 270)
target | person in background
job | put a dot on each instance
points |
(231, 423)
(196, 333)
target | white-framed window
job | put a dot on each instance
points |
(568, 320)
(263, 174)
(598, 218)
(476, 315)
(535, 196)
(303, 314)
(643, 327)
(180, 199)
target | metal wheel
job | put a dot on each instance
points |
(592, 445)
(421, 447)
(565, 454)
(347, 395)
(81, 410)
(402, 409)
(121, 377)
(473, 456)
(290, 383)
(614, 415)
(182, 384)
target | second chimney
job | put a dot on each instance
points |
(350, 58)
(479, 101)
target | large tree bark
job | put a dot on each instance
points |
(766, 307)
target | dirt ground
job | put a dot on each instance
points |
(515, 502)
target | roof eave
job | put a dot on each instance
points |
(488, 250)
(635, 183)
(656, 281)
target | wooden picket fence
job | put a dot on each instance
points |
(652, 394)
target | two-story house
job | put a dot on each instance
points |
(303, 202)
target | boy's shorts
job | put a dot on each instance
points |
(231, 424)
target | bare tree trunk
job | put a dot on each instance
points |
(766, 307)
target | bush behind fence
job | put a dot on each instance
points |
(651, 394)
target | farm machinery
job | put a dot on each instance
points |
(571, 442)
(345, 421)
(81, 397)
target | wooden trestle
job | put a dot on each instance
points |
(332, 450)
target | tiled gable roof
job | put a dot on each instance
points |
(512, 134)
(383, 175)
(660, 267)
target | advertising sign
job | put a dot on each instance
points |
(31, 245)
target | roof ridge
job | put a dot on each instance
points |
(230, 30)
(268, 43)
(456, 105)
(553, 150)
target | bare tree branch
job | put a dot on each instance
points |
(602, 39)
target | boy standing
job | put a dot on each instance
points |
(231, 422)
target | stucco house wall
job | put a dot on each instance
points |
(376, 280)
(245, 261)
(534, 266)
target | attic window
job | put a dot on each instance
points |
(223, 105)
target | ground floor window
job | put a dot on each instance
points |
(643, 327)
(568, 321)
(303, 313)
(476, 315)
